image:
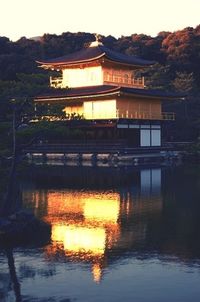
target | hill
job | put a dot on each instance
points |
(177, 54)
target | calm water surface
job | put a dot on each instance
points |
(117, 234)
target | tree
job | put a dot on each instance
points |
(184, 82)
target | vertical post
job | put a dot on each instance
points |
(35, 110)
(150, 112)
(117, 113)
(139, 110)
(13, 128)
(143, 81)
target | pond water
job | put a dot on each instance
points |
(117, 234)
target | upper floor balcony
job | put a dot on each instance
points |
(146, 115)
(123, 80)
(116, 79)
(142, 115)
(163, 116)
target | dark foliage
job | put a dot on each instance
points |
(177, 54)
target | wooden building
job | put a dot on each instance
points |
(100, 86)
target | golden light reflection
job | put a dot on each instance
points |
(102, 210)
(84, 225)
(58, 233)
(77, 239)
(85, 240)
(97, 272)
(64, 202)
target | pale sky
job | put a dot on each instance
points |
(32, 18)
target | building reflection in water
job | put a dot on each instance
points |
(84, 224)
(5, 286)
(87, 225)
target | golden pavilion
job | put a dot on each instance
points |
(101, 87)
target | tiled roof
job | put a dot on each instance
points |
(152, 92)
(93, 53)
(81, 91)
(107, 90)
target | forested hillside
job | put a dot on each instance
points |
(178, 69)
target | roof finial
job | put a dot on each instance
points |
(97, 37)
(97, 42)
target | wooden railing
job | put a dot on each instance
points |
(57, 82)
(167, 116)
(146, 115)
(131, 115)
(124, 81)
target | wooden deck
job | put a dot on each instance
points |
(92, 147)
(97, 154)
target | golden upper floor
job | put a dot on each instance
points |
(97, 75)
(96, 65)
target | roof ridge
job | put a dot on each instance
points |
(94, 53)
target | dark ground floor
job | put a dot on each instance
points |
(131, 133)
(137, 136)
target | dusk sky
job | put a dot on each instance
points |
(108, 17)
